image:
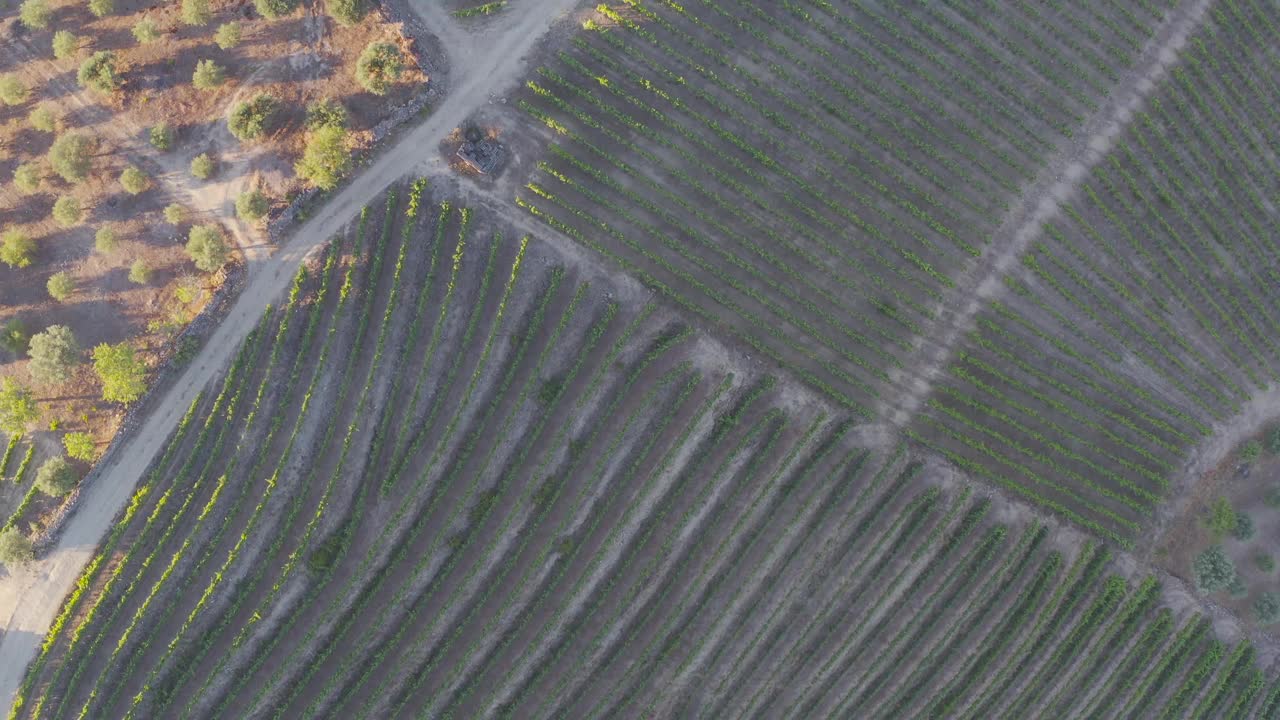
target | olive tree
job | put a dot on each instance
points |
(15, 548)
(105, 240)
(35, 14)
(67, 211)
(61, 286)
(252, 205)
(196, 12)
(65, 44)
(140, 272)
(161, 137)
(326, 157)
(228, 35)
(18, 407)
(133, 180)
(202, 166)
(12, 90)
(17, 249)
(26, 178)
(378, 67)
(207, 247)
(80, 445)
(122, 372)
(102, 8)
(56, 477)
(99, 72)
(54, 354)
(1213, 570)
(208, 75)
(43, 118)
(145, 31)
(71, 156)
(250, 119)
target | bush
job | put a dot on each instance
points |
(122, 374)
(1244, 527)
(202, 166)
(228, 35)
(105, 241)
(161, 137)
(272, 9)
(378, 66)
(43, 118)
(102, 8)
(252, 205)
(326, 112)
(54, 354)
(250, 119)
(346, 12)
(80, 445)
(1265, 562)
(1213, 570)
(99, 72)
(133, 180)
(174, 214)
(17, 249)
(1237, 589)
(140, 272)
(1267, 608)
(208, 75)
(145, 31)
(60, 286)
(14, 336)
(15, 548)
(196, 12)
(65, 43)
(35, 14)
(56, 477)
(26, 178)
(1250, 451)
(67, 211)
(18, 407)
(325, 158)
(12, 90)
(207, 247)
(1221, 520)
(70, 156)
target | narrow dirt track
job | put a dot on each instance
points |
(30, 597)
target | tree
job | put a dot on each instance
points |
(174, 214)
(378, 66)
(16, 248)
(12, 90)
(26, 178)
(122, 373)
(272, 9)
(61, 285)
(207, 247)
(43, 118)
(1244, 527)
(228, 35)
(15, 548)
(1221, 520)
(54, 353)
(71, 156)
(1213, 570)
(346, 12)
(18, 407)
(105, 241)
(196, 12)
(326, 112)
(325, 158)
(202, 166)
(1265, 562)
(208, 75)
(1267, 608)
(35, 14)
(56, 477)
(140, 272)
(14, 336)
(80, 445)
(161, 137)
(252, 205)
(102, 8)
(145, 31)
(65, 43)
(99, 72)
(67, 211)
(250, 119)
(134, 180)
(1251, 451)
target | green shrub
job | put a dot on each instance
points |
(250, 119)
(1237, 589)
(378, 66)
(228, 35)
(196, 12)
(208, 75)
(60, 286)
(174, 214)
(15, 548)
(252, 205)
(71, 156)
(1265, 562)
(145, 31)
(56, 477)
(99, 72)
(272, 9)
(17, 249)
(67, 211)
(1267, 608)
(26, 178)
(43, 118)
(65, 43)
(122, 373)
(346, 12)
(326, 112)
(80, 445)
(12, 90)
(133, 180)
(326, 158)
(207, 247)
(1244, 527)
(202, 166)
(1213, 570)
(18, 407)
(161, 137)
(1251, 451)
(105, 241)
(1221, 520)
(14, 336)
(140, 272)
(35, 14)
(54, 353)
(102, 8)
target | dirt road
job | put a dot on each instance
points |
(482, 65)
